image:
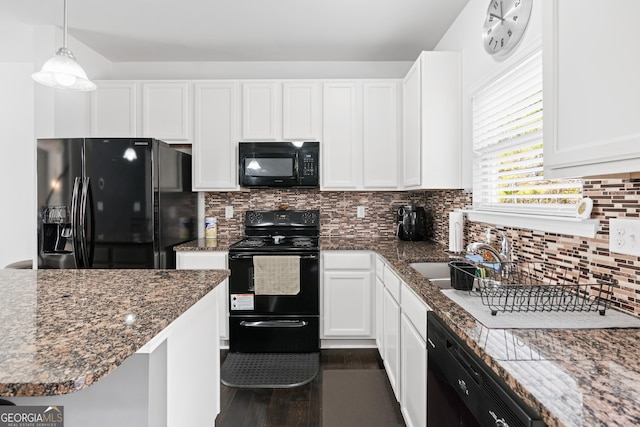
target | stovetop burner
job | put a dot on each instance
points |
(252, 243)
(302, 242)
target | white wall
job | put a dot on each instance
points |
(30, 111)
(16, 141)
(465, 35)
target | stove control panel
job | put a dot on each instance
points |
(310, 218)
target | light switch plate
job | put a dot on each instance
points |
(624, 236)
(228, 212)
(360, 212)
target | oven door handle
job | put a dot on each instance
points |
(274, 324)
(248, 256)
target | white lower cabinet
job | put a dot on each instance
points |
(413, 361)
(347, 295)
(391, 340)
(209, 260)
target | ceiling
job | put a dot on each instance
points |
(248, 30)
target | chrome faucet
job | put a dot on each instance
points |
(504, 255)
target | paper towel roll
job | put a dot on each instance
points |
(456, 224)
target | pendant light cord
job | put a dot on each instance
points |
(64, 25)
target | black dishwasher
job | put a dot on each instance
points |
(461, 389)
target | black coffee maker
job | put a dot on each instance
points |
(412, 223)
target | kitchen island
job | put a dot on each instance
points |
(114, 347)
(572, 377)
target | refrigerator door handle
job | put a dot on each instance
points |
(85, 197)
(92, 226)
(75, 222)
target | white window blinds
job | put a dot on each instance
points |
(507, 145)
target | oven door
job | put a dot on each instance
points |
(242, 298)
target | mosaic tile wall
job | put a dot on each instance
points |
(612, 199)
(615, 198)
(337, 209)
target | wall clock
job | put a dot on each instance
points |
(504, 25)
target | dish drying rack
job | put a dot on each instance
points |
(535, 286)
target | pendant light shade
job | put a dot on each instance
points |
(62, 71)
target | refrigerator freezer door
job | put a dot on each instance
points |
(59, 163)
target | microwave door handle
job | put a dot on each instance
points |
(296, 166)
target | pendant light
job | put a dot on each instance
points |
(62, 71)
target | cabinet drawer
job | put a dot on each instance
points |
(201, 260)
(392, 282)
(415, 309)
(343, 260)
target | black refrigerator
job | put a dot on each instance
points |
(112, 203)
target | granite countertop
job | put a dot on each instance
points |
(63, 330)
(573, 377)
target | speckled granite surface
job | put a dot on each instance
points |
(572, 377)
(63, 330)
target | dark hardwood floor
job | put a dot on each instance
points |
(290, 407)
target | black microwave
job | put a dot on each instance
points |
(279, 164)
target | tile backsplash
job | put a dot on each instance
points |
(337, 209)
(613, 198)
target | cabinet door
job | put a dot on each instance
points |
(411, 109)
(391, 339)
(186, 260)
(114, 109)
(261, 114)
(165, 110)
(379, 316)
(214, 158)
(301, 111)
(342, 135)
(381, 136)
(347, 301)
(441, 120)
(591, 88)
(413, 378)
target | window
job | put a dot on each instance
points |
(507, 147)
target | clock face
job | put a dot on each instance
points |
(505, 24)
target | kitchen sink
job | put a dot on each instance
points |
(436, 272)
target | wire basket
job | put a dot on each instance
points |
(536, 286)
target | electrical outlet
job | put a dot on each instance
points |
(360, 212)
(228, 212)
(624, 236)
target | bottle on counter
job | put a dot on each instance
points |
(211, 228)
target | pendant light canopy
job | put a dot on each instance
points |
(62, 71)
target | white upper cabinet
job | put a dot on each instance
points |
(114, 109)
(342, 135)
(217, 113)
(431, 157)
(281, 110)
(165, 110)
(591, 87)
(412, 140)
(361, 134)
(261, 111)
(301, 111)
(381, 134)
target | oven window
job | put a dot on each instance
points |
(268, 166)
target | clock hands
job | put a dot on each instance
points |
(496, 16)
